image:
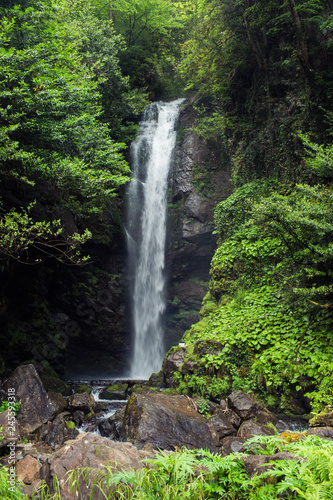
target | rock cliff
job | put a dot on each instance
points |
(200, 178)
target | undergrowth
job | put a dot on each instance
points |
(199, 475)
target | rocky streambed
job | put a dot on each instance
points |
(130, 421)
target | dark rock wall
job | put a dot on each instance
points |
(91, 305)
(200, 178)
(71, 317)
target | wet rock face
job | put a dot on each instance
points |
(249, 428)
(10, 428)
(245, 406)
(166, 422)
(200, 178)
(172, 363)
(220, 427)
(36, 407)
(84, 402)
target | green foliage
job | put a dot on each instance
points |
(319, 158)
(100, 47)
(59, 82)
(13, 406)
(199, 474)
(274, 263)
(9, 491)
(261, 72)
(153, 31)
(43, 492)
(202, 406)
(19, 233)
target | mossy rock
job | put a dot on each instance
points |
(292, 437)
(324, 419)
(70, 424)
(116, 391)
(51, 380)
(56, 385)
(142, 389)
(84, 388)
(209, 307)
(171, 392)
(157, 379)
(89, 415)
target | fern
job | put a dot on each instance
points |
(201, 475)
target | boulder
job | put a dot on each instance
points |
(10, 428)
(99, 407)
(84, 388)
(291, 437)
(58, 401)
(173, 362)
(78, 417)
(322, 432)
(50, 379)
(94, 452)
(243, 404)
(265, 417)
(157, 379)
(189, 366)
(249, 428)
(107, 429)
(113, 427)
(220, 427)
(254, 464)
(232, 444)
(231, 415)
(166, 422)
(55, 433)
(56, 385)
(140, 388)
(28, 470)
(84, 402)
(324, 419)
(257, 464)
(36, 407)
(116, 391)
(285, 455)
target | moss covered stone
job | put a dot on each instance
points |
(84, 388)
(116, 391)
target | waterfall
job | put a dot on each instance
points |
(146, 233)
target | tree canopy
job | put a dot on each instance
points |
(57, 92)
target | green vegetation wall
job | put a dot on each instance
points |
(262, 73)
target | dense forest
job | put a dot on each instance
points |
(75, 77)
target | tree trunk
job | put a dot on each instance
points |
(302, 48)
(257, 53)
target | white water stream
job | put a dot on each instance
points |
(146, 229)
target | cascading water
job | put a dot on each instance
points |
(146, 232)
